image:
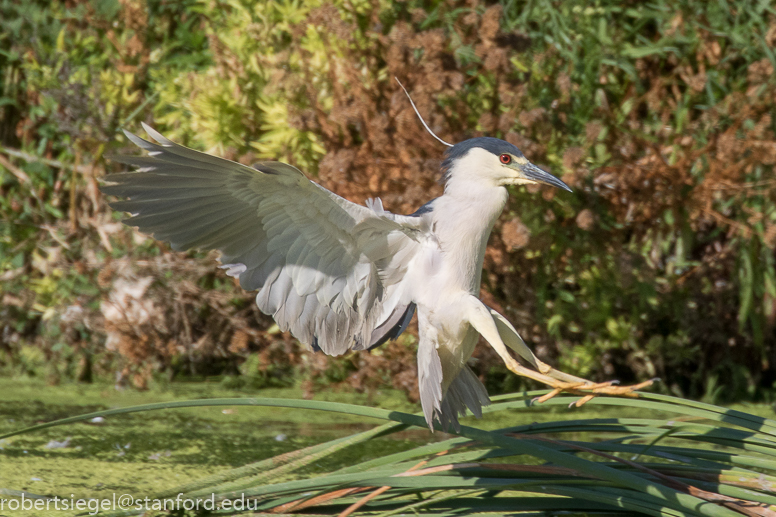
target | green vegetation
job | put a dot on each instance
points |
(656, 456)
(140, 453)
(659, 115)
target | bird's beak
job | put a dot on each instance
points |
(533, 173)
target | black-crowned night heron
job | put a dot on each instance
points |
(341, 276)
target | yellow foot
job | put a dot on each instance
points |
(586, 389)
(590, 390)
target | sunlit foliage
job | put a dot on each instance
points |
(659, 115)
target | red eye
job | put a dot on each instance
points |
(505, 159)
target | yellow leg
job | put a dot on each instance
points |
(493, 327)
(587, 389)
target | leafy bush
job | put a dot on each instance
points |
(658, 115)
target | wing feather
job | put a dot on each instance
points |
(314, 257)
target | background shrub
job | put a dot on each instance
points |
(659, 115)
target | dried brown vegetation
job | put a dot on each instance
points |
(661, 263)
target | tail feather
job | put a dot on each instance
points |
(429, 379)
(466, 391)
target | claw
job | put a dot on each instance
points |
(548, 396)
(581, 402)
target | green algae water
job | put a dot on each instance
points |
(147, 452)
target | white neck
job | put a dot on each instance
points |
(462, 221)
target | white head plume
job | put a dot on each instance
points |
(418, 114)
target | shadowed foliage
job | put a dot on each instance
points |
(658, 115)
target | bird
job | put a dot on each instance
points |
(340, 276)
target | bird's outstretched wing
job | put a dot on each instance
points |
(326, 269)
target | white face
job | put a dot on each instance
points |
(483, 166)
(500, 170)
